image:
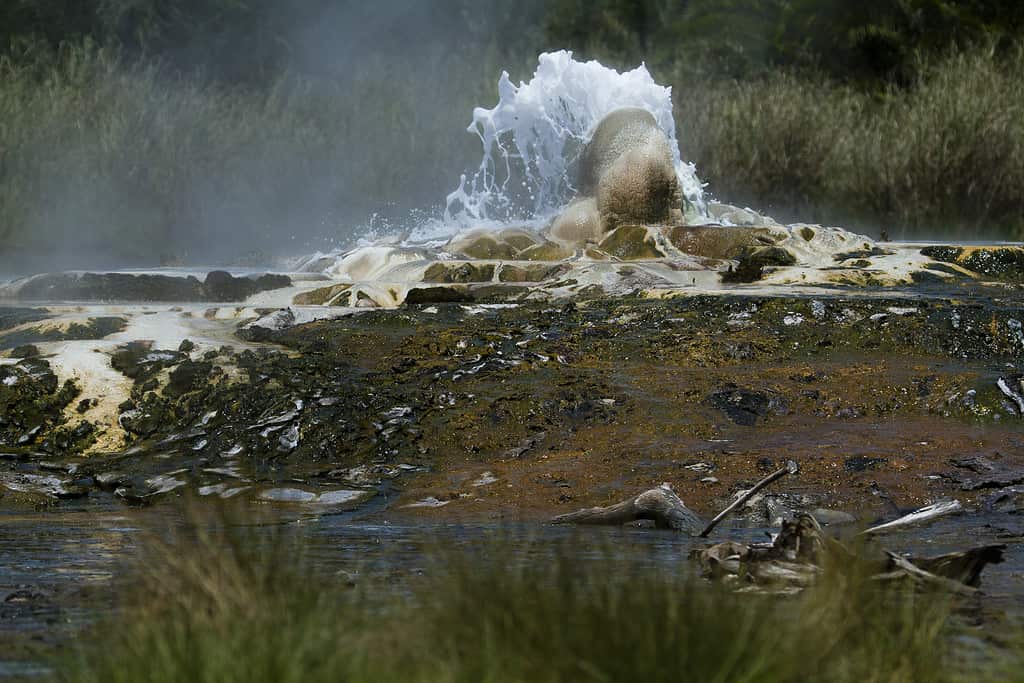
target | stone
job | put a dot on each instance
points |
(1000, 262)
(579, 223)
(832, 517)
(287, 495)
(519, 239)
(343, 497)
(453, 271)
(991, 474)
(438, 295)
(628, 167)
(721, 243)
(91, 328)
(752, 262)
(631, 243)
(640, 187)
(531, 273)
(43, 485)
(139, 361)
(323, 296)
(187, 376)
(483, 247)
(24, 351)
(110, 287)
(218, 286)
(742, 406)
(862, 463)
(222, 286)
(548, 251)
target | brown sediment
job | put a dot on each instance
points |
(574, 405)
(868, 465)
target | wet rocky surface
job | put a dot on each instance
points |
(217, 286)
(465, 418)
(523, 411)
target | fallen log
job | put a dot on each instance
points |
(797, 557)
(965, 566)
(924, 515)
(902, 569)
(660, 505)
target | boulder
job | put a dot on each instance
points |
(222, 286)
(631, 243)
(549, 251)
(531, 273)
(459, 271)
(627, 166)
(482, 247)
(323, 296)
(580, 223)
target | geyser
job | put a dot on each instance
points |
(532, 140)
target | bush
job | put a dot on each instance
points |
(943, 158)
(108, 163)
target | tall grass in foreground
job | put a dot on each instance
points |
(942, 158)
(213, 606)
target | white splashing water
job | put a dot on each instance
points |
(536, 131)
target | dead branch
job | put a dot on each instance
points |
(790, 468)
(660, 505)
(901, 568)
(924, 515)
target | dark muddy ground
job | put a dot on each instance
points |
(482, 417)
(887, 403)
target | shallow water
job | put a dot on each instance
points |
(60, 571)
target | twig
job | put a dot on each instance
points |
(791, 468)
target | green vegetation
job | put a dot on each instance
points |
(198, 130)
(943, 157)
(220, 605)
(120, 163)
(872, 43)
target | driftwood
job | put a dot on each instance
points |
(965, 566)
(902, 569)
(797, 556)
(795, 559)
(924, 515)
(660, 505)
(790, 468)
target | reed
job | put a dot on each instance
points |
(219, 604)
(942, 158)
(107, 163)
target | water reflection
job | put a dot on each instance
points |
(61, 570)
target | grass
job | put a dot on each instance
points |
(108, 162)
(942, 158)
(213, 605)
(104, 162)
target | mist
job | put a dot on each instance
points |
(213, 132)
(352, 121)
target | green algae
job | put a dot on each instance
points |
(93, 328)
(1001, 263)
(631, 243)
(430, 390)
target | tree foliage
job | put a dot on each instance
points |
(253, 41)
(869, 42)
